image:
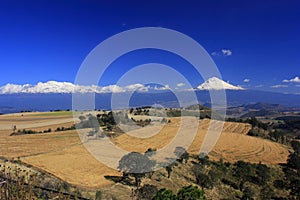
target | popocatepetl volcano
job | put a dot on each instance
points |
(215, 83)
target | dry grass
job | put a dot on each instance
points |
(34, 119)
(233, 144)
(63, 155)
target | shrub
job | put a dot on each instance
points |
(147, 191)
(164, 194)
(248, 194)
(204, 181)
(191, 192)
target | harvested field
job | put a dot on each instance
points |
(63, 155)
(233, 144)
(35, 120)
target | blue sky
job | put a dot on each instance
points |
(254, 40)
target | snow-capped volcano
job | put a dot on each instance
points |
(215, 83)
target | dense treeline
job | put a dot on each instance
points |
(283, 131)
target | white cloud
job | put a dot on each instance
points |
(259, 86)
(165, 87)
(67, 87)
(246, 80)
(110, 88)
(222, 52)
(137, 87)
(226, 52)
(293, 80)
(279, 86)
(180, 84)
(215, 53)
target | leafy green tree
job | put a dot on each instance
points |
(248, 194)
(280, 184)
(204, 181)
(107, 119)
(290, 174)
(296, 147)
(276, 135)
(243, 171)
(93, 122)
(98, 195)
(191, 193)
(214, 175)
(136, 165)
(150, 152)
(181, 154)
(82, 118)
(169, 169)
(295, 188)
(147, 192)
(164, 194)
(131, 110)
(203, 159)
(294, 161)
(263, 173)
(254, 122)
(164, 121)
(266, 192)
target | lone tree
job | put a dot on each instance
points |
(181, 154)
(136, 165)
(203, 159)
(14, 128)
(82, 118)
(150, 152)
(169, 169)
(93, 122)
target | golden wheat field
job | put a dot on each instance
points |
(63, 155)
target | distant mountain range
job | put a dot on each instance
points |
(264, 106)
(57, 95)
(259, 109)
(42, 102)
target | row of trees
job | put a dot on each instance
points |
(139, 166)
(140, 111)
(281, 132)
(29, 131)
(184, 193)
(252, 180)
(292, 172)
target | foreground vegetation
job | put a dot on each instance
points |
(283, 130)
(187, 177)
(240, 180)
(21, 181)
